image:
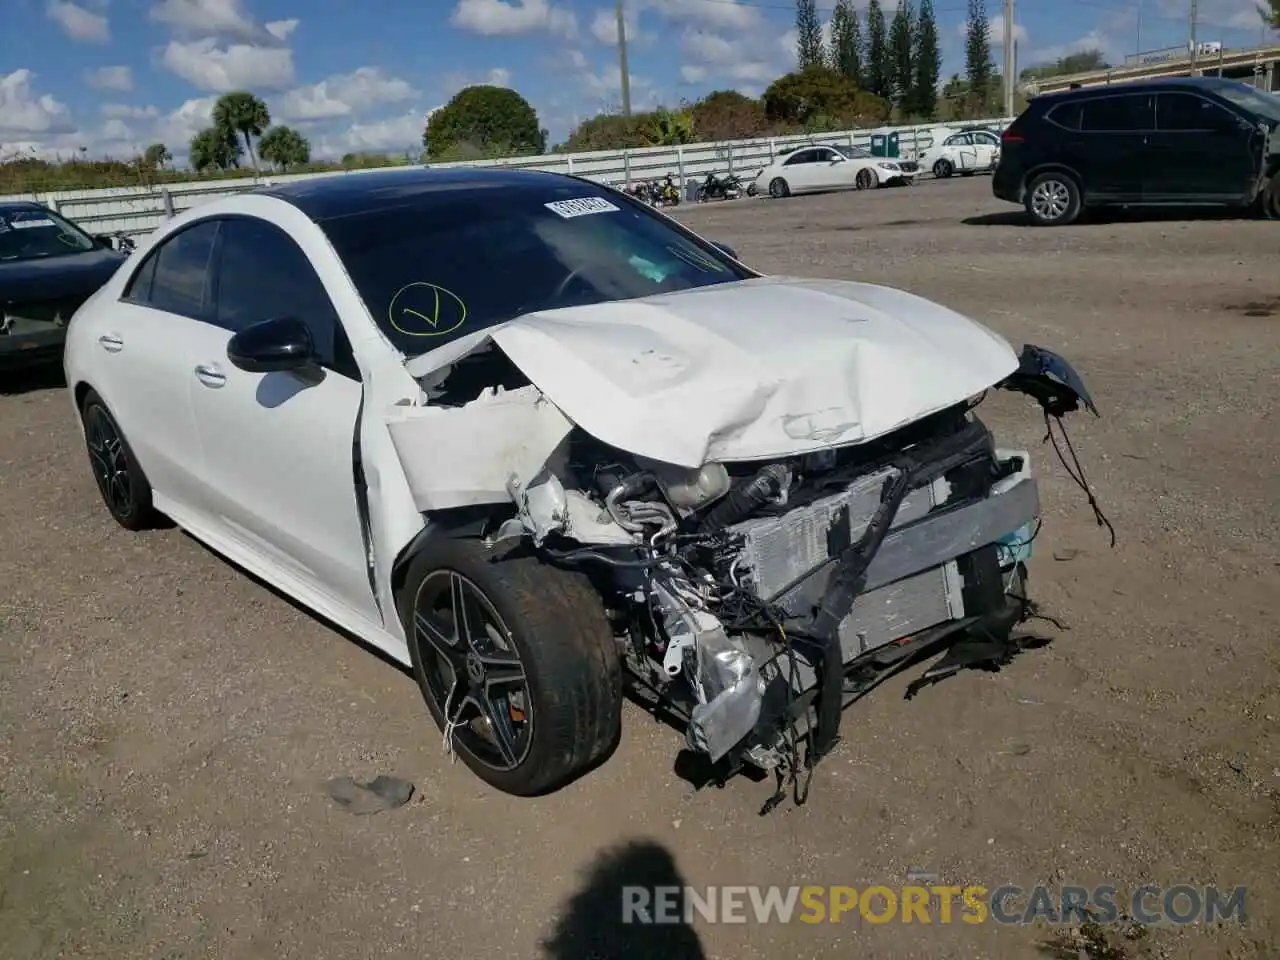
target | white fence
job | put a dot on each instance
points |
(138, 210)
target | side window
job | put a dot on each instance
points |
(175, 278)
(985, 139)
(1066, 115)
(801, 156)
(1130, 114)
(262, 275)
(1186, 111)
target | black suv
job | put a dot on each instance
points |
(1177, 141)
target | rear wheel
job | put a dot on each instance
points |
(943, 169)
(1053, 200)
(516, 660)
(778, 188)
(120, 480)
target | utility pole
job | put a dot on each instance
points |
(1008, 58)
(623, 71)
(1191, 26)
(1137, 46)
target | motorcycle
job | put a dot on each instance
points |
(719, 188)
(668, 194)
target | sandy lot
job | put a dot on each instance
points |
(166, 721)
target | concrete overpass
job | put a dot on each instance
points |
(1257, 66)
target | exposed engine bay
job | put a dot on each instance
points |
(757, 598)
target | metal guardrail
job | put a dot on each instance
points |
(139, 210)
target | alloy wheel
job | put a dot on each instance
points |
(110, 464)
(1050, 200)
(473, 670)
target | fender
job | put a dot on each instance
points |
(1051, 381)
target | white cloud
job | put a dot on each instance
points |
(79, 23)
(24, 113)
(717, 14)
(110, 78)
(343, 95)
(123, 111)
(1052, 54)
(221, 69)
(176, 129)
(748, 60)
(402, 134)
(211, 18)
(1020, 35)
(492, 18)
(281, 29)
(604, 28)
(1224, 14)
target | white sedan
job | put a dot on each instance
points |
(824, 168)
(966, 152)
(535, 440)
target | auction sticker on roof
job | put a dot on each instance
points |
(581, 207)
(28, 224)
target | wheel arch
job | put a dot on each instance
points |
(466, 523)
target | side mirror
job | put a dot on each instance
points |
(271, 346)
(725, 249)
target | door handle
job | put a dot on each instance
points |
(111, 343)
(210, 375)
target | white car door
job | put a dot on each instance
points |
(278, 447)
(985, 148)
(965, 152)
(831, 170)
(801, 172)
(141, 371)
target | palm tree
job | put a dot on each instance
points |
(243, 113)
(214, 147)
(285, 147)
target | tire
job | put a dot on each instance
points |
(552, 622)
(701, 195)
(123, 486)
(1271, 198)
(1053, 200)
(943, 169)
(778, 188)
(865, 180)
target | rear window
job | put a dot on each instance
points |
(452, 262)
(1066, 115)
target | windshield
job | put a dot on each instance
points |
(446, 263)
(853, 153)
(29, 233)
(1265, 105)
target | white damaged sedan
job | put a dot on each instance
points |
(543, 445)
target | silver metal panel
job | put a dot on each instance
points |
(898, 610)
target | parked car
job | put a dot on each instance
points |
(1202, 140)
(965, 152)
(823, 168)
(48, 268)
(608, 467)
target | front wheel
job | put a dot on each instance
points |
(516, 660)
(1053, 200)
(865, 179)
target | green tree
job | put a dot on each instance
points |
(901, 51)
(727, 115)
(928, 64)
(671, 128)
(496, 121)
(214, 147)
(285, 147)
(820, 98)
(878, 73)
(156, 156)
(846, 41)
(1081, 62)
(809, 51)
(242, 113)
(978, 67)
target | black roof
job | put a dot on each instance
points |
(1142, 86)
(340, 195)
(14, 206)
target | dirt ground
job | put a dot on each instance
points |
(166, 721)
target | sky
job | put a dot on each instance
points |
(112, 76)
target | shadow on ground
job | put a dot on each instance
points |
(43, 376)
(592, 927)
(1104, 215)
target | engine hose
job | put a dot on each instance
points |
(748, 498)
(587, 554)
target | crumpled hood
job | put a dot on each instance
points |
(757, 369)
